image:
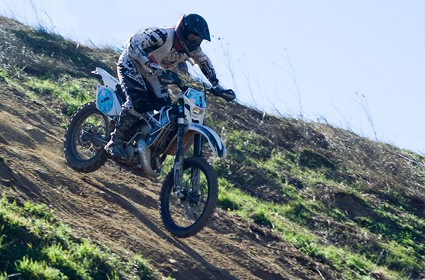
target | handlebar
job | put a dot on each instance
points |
(184, 81)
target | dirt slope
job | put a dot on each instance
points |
(353, 194)
(120, 210)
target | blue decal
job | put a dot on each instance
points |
(105, 100)
(198, 97)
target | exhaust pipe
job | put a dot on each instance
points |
(145, 159)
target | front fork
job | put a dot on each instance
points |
(178, 162)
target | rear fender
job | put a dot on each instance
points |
(108, 80)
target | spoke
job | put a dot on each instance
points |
(187, 210)
(90, 136)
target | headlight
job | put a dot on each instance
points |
(198, 111)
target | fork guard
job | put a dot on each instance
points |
(213, 139)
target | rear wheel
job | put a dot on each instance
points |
(88, 132)
(187, 215)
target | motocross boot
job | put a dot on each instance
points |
(115, 146)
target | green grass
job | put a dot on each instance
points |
(71, 91)
(389, 243)
(34, 244)
(3, 75)
(303, 176)
(291, 221)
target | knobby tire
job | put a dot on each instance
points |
(210, 203)
(74, 158)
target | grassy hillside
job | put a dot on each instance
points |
(343, 201)
(36, 245)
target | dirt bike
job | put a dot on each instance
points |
(189, 193)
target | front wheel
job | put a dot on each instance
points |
(187, 214)
(87, 134)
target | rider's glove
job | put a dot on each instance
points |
(169, 77)
(227, 94)
(154, 68)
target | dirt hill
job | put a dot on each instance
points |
(351, 181)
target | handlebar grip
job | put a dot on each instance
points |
(169, 77)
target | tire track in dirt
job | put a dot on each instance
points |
(120, 210)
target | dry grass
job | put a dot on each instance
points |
(345, 190)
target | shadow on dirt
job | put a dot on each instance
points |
(128, 198)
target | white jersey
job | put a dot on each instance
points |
(158, 45)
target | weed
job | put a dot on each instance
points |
(143, 268)
(359, 264)
(314, 160)
(228, 202)
(3, 75)
(261, 217)
(229, 198)
(35, 245)
(30, 269)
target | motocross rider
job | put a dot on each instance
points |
(152, 53)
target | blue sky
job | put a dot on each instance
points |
(358, 65)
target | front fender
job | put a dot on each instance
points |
(213, 139)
